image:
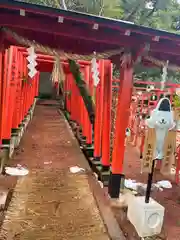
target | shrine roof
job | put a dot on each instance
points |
(84, 33)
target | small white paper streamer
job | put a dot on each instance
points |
(95, 71)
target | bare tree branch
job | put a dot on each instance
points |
(131, 15)
(101, 8)
(153, 10)
(150, 12)
(64, 4)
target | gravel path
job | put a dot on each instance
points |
(51, 203)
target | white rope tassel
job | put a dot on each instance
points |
(54, 74)
(164, 75)
(95, 71)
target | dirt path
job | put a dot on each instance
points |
(51, 202)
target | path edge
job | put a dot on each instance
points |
(100, 197)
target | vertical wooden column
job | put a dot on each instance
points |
(16, 112)
(106, 130)
(85, 113)
(22, 74)
(85, 118)
(82, 109)
(70, 97)
(79, 108)
(65, 91)
(76, 103)
(32, 91)
(34, 85)
(29, 95)
(90, 89)
(1, 90)
(37, 85)
(68, 92)
(73, 100)
(6, 130)
(24, 84)
(122, 116)
(99, 113)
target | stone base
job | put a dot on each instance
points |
(3, 198)
(147, 218)
(96, 162)
(12, 146)
(26, 120)
(17, 139)
(114, 187)
(103, 173)
(124, 199)
(89, 151)
(4, 156)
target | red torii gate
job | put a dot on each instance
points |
(75, 32)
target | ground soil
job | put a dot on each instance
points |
(50, 202)
(169, 198)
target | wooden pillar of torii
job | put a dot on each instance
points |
(122, 118)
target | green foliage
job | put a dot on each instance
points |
(164, 14)
(176, 101)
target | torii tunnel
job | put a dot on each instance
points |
(73, 39)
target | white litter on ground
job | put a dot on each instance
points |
(76, 169)
(101, 184)
(132, 184)
(164, 184)
(47, 163)
(96, 176)
(16, 171)
(173, 170)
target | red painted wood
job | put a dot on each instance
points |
(100, 36)
(122, 119)
(6, 91)
(1, 89)
(106, 130)
(99, 112)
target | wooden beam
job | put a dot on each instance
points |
(86, 34)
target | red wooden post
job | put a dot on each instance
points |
(65, 91)
(83, 109)
(81, 113)
(25, 87)
(122, 116)
(87, 128)
(6, 122)
(106, 130)
(18, 95)
(1, 89)
(73, 99)
(22, 74)
(90, 87)
(37, 85)
(79, 110)
(99, 113)
(68, 92)
(86, 79)
(77, 103)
